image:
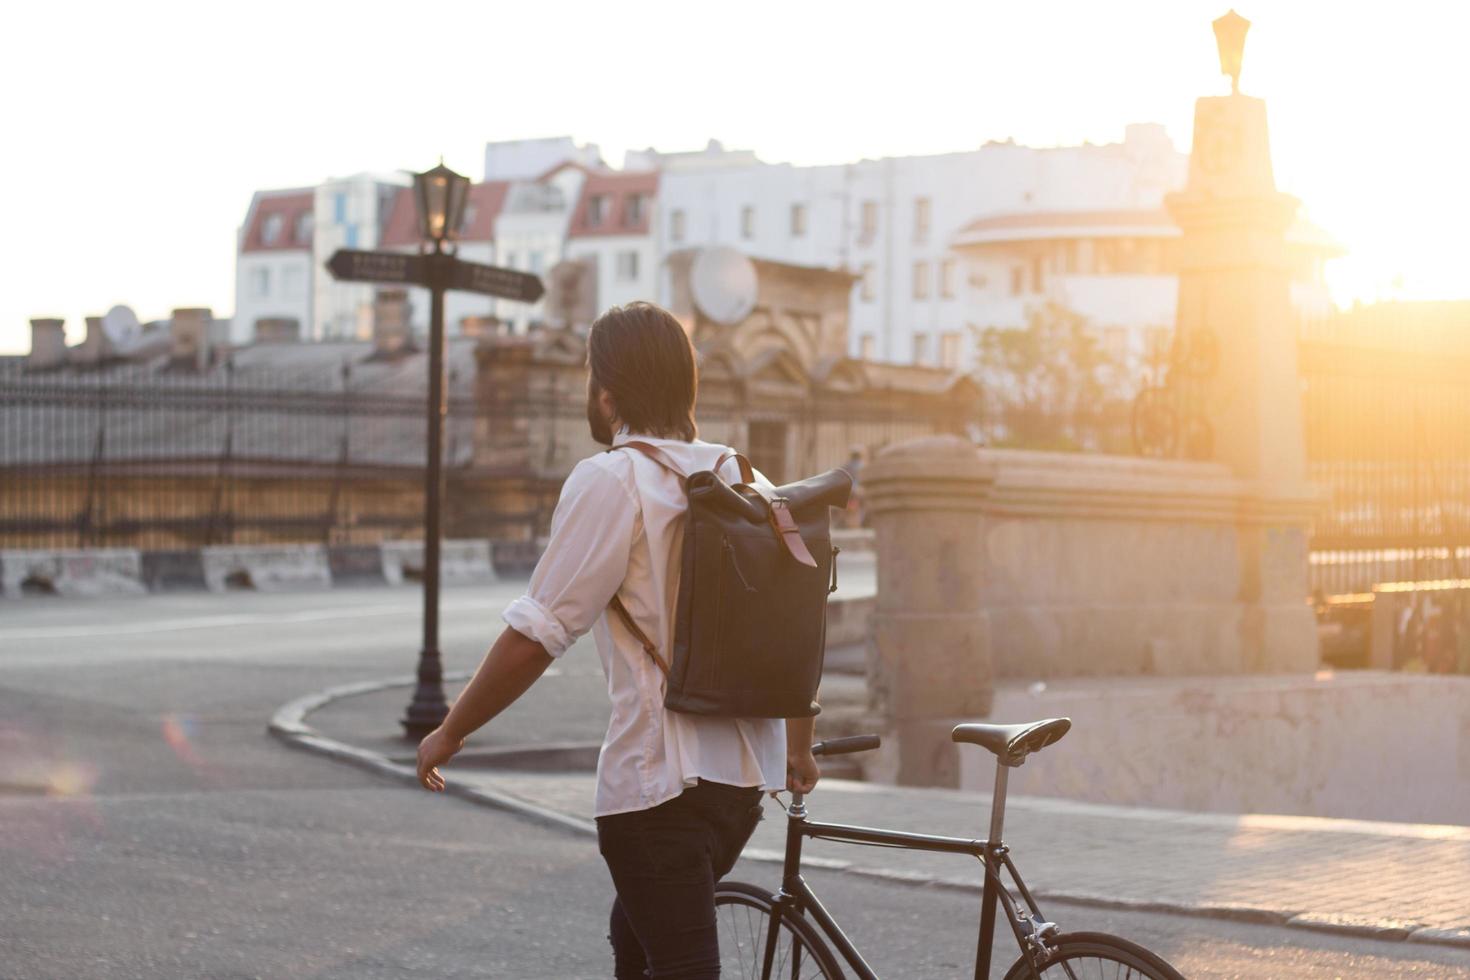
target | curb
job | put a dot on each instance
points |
(289, 725)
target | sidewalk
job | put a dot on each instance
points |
(1389, 881)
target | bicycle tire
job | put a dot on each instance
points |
(801, 953)
(1079, 948)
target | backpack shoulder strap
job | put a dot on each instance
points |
(657, 455)
(616, 605)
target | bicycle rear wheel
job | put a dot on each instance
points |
(743, 917)
(1095, 956)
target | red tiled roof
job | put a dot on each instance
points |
(289, 206)
(484, 204)
(615, 189)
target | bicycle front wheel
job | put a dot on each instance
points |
(1088, 955)
(743, 917)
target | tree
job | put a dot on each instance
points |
(1050, 384)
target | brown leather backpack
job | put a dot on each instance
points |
(750, 627)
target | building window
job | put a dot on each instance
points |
(260, 282)
(339, 207)
(747, 222)
(868, 347)
(868, 284)
(921, 348)
(798, 220)
(946, 278)
(921, 219)
(293, 282)
(351, 237)
(510, 260)
(304, 224)
(676, 225)
(627, 267)
(1038, 273)
(633, 208)
(535, 261)
(270, 230)
(949, 350)
(1018, 280)
(869, 227)
(467, 219)
(921, 280)
(596, 210)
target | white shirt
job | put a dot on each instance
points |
(619, 529)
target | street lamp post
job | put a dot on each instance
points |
(440, 195)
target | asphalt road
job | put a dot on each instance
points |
(150, 828)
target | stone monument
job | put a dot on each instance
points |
(1009, 566)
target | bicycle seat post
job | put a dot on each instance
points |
(998, 804)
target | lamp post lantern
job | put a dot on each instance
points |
(1230, 39)
(440, 194)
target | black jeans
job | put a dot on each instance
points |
(664, 863)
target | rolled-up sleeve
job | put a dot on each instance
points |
(585, 562)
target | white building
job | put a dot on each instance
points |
(351, 212)
(894, 222)
(529, 159)
(611, 229)
(273, 267)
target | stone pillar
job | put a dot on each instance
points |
(392, 329)
(190, 335)
(48, 344)
(930, 664)
(1234, 288)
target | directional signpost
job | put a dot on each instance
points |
(436, 271)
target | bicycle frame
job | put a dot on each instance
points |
(1030, 929)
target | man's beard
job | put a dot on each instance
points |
(601, 431)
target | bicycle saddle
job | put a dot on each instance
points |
(1012, 743)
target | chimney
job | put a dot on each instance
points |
(392, 331)
(96, 348)
(48, 344)
(189, 331)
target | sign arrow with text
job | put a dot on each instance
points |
(495, 281)
(351, 265)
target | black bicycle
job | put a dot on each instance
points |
(786, 934)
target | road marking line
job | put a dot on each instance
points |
(239, 619)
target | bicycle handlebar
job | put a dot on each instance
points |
(842, 746)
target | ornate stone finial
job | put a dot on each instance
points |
(1230, 39)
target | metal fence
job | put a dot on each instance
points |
(1388, 443)
(137, 457)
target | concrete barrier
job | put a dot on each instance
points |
(90, 572)
(266, 568)
(460, 561)
(847, 620)
(1359, 744)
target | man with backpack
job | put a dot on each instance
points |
(678, 792)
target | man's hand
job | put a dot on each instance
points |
(437, 748)
(802, 772)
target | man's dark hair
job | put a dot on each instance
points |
(641, 356)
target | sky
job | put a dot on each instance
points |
(134, 134)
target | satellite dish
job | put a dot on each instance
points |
(121, 328)
(724, 284)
